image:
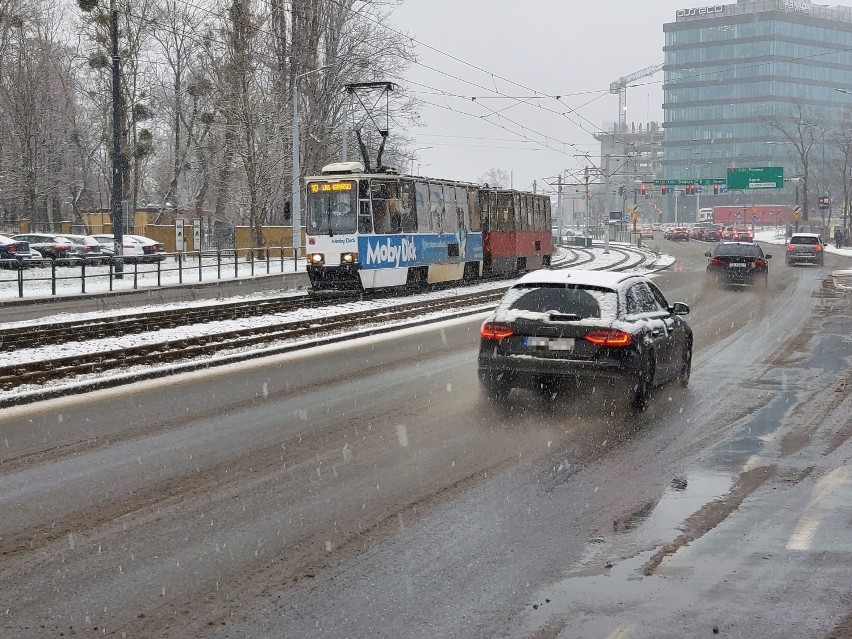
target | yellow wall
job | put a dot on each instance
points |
(273, 236)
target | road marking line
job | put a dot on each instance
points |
(803, 534)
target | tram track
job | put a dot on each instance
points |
(169, 351)
(35, 336)
(212, 343)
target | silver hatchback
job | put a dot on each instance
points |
(805, 248)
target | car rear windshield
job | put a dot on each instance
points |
(738, 250)
(804, 239)
(582, 302)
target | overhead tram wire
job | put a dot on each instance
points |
(495, 90)
(498, 76)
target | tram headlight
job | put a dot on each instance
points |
(316, 258)
(348, 258)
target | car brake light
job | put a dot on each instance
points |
(715, 261)
(817, 248)
(491, 330)
(12, 248)
(609, 338)
(791, 247)
(60, 247)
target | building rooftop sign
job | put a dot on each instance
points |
(794, 7)
(701, 11)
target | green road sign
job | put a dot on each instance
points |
(764, 177)
(702, 182)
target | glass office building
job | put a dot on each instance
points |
(732, 69)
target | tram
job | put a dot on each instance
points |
(369, 231)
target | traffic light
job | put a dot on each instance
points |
(715, 189)
(690, 189)
(663, 189)
(644, 188)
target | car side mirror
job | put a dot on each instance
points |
(708, 254)
(768, 256)
(679, 308)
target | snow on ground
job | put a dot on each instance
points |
(68, 349)
(37, 281)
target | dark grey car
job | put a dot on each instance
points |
(805, 248)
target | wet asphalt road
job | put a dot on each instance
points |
(367, 491)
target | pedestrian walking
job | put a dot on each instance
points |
(838, 237)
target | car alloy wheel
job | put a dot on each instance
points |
(642, 393)
(686, 367)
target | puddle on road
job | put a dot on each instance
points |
(753, 435)
(834, 348)
(588, 603)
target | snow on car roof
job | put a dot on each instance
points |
(805, 235)
(605, 279)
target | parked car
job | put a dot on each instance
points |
(807, 248)
(152, 250)
(131, 248)
(54, 247)
(88, 249)
(555, 330)
(14, 253)
(738, 263)
(36, 259)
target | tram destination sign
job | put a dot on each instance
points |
(763, 177)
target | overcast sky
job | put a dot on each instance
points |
(570, 48)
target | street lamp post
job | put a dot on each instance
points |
(414, 155)
(296, 195)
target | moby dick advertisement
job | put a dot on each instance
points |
(395, 251)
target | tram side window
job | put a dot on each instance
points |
(517, 212)
(436, 207)
(537, 217)
(505, 212)
(522, 213)
(485, 209)
(450, 221)
(408, 212)
(547, 217)
(421, 191)
(462, 207)
(492, 210)
(473, 210)
(365, 217)
(531, 200)
(387, 216)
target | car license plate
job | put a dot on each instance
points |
(550, 343)
(737, 265)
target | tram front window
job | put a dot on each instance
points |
(332, 208)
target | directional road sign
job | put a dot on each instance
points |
(688, 182)
(764, 177)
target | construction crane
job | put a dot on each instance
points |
(620, 87)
